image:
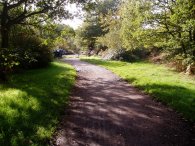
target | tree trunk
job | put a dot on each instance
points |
(188, 70)
(5, 36)
(182, 44)
(5, 27)
(194, 35)
(4, 44)
(190, 36)
(184, 49)
(3, 76)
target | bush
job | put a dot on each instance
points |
(32, 52)
(184, 64)
(25, 53)
(8, 60)
(126, 55)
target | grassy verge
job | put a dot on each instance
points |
(31, 103)
(173, 89)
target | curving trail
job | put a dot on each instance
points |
(105, 111)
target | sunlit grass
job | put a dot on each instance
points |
(174, 89)
(31, 103)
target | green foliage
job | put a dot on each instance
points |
(173, 89)
(87, 34)
(58, 36)
(136, 24)
(134, 14)
(27, 51)
(32, 53)
(65, 39)
(28, 13)
(31, 104)
(8, 60)
(91, 33)
(137, 54)
(103, 7)
(109, 21)
(176, 23)
(111, 40)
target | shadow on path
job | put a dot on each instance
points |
(106, 111)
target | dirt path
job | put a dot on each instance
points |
(106, 111)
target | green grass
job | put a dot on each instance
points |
(31, 103)
(174, 89)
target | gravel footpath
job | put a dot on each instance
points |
(106, 111)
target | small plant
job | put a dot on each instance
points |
(8, 60)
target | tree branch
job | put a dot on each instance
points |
(23, 16)
(35, 23)
(17, 4)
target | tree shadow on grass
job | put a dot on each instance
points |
(178, 97)
(32, 104)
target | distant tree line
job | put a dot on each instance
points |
(167, 26)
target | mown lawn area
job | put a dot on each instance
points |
(31, 103)
(174, 89)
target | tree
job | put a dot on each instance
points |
(13, 12)
(65, 38)
(133, 31)
(167, 24)
(111, 39)
(97, 22)
(176, 21)
(110, 23)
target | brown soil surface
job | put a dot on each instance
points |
(106, 111)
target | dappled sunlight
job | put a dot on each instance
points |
(31, 104)
(165, 85)
(107, 111)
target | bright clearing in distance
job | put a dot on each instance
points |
(77, 20)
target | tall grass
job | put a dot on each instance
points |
(30, 104)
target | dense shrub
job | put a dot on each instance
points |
(126, 55)
(135, 55)
(110, 54)
(32, 52)
(184, 64)
(8, 60)
(26, 52)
